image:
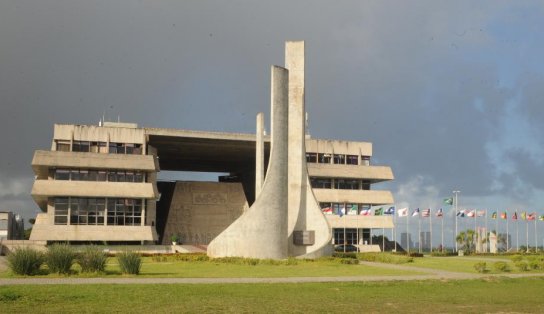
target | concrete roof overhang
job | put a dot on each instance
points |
(184, 150)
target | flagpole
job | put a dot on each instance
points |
(430, 231)
(442, 242)
(486, 234)
(395, 228)
(517, 233)
(357, 224)
(536, 241)
(507, 242)
(527, 231)
(419, 232)
(455, 235)
(408, 232)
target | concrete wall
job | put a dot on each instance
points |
(199, 211)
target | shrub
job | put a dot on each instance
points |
(480, 267)
(129, 262)
(345, 255)
(522, 266)
(349, 261)
(535, 264)
(191, 257)
(385, 258)
(501, 266)
(59, 258)
(92, 259)
(25, 261)
(291, 261)
(516, 258)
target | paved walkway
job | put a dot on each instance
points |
(426, 275)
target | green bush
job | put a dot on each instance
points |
(345, 255)
(92, 260)
(60, 258)
(480, 267)
(25, 261)
(522, 266)
(385, 258)
(349, 261)
(191, 257)
(129, 262)
(501, 266)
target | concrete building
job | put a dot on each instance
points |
(99, 183)
(12, 226)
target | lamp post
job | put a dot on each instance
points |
(456, 204)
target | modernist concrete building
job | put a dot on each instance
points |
(99, 183)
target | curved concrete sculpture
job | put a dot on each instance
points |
(304, 211)
(261, 232)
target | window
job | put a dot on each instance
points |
(321, 183)
(324, 158)
(81, 146)
(339, 159)
(365, 185)
(62, 174)
(311, 157)
(63, 146)
(350, 236)
(352, 159)
(137, 149)
(61, 205)
(365, 160)
(346, 184)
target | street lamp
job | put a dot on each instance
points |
(455, 235)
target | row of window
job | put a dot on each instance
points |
(339, 159)
(339, 184)
(94, 211)
(344, 208)
(350, 236)
(99, 147)
(98, 175)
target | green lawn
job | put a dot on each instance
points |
(208, 269)
(464, 264)
(467, 296)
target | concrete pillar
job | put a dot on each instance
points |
(304, 211)
(261, 231)
(259, 155)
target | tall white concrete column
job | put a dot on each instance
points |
(259, 154)
(261, 231)
(304, 211)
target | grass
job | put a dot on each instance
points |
(464, 264)
(467, 296)
(211, 269)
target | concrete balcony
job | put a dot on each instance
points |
(43, 160)
(42, 189)
(372, 173)
(359, 221)
(354, 196)
(44, 231)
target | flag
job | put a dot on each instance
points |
(471, 213)
(531, 216)
(403, 212)
(342, 211)
(426, 212)
(494, 215)
(523, 215)
(515, 216)
(365, 212)
(390, 211)
(416, 212)
(461, 213)
(480, 213)
(503, 215)
(448, 201)
(353, 210)
(439, 213)
(378, 212)
(541, 217)
(327, 211)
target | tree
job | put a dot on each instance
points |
(467, 240)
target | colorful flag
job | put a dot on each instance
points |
(342, 211)
(531, 216)
(448, 201)
(461, 213)
(403, 212)
(523, 215)
(426, 212)
(471, 213)
(494, 215)
(541, 217)
(439, 213)
(416, 212)
(365, 212)
(378, 212)
(353, 210)
(480, 213)
(515, 216)
(327, 211)
(503, 215)
(390, 211)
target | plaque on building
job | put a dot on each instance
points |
(301, 237)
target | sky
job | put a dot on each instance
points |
(449, 92)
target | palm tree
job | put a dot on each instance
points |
(466, 239)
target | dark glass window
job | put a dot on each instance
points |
(339, 159)
(321, 183)
(311, 157)
(324, 158)
(63, 146)
(62, 174)
(352, 159)
(81, 146)
(365, 160)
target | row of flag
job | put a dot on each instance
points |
(404, 212)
